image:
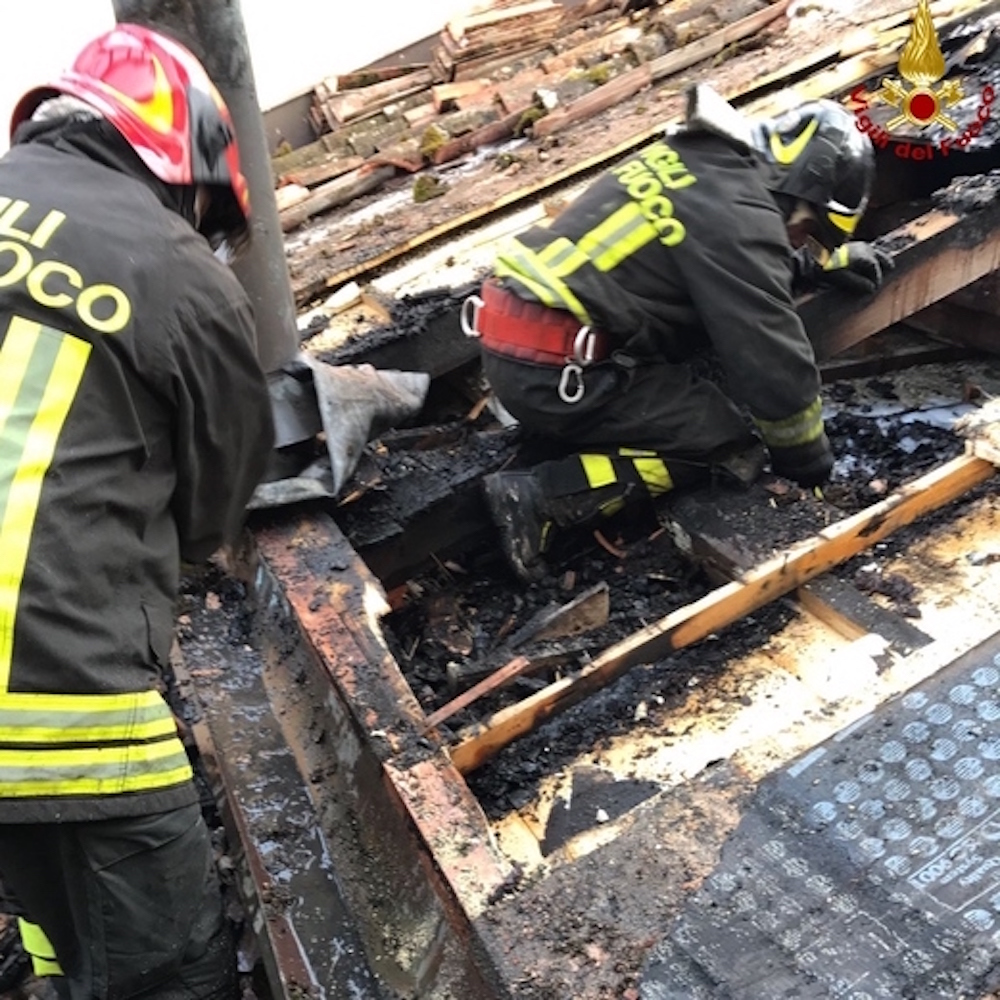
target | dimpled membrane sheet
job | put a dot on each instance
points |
(868, 868)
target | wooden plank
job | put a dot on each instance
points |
(981, 430)
(848, 611)
(958, 324)
(498, 679)
(367, 77)
(729, 532)
(354, 104)
(773, 578)
(318, 173)
(336, 192)
(821, 84)
(712, 45)
(939, 253)
(601, 99)
(466, 26)
(633, 81)
(450, 96)
(616, 40)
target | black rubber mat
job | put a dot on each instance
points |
(869, 868)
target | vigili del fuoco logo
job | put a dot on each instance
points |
(918, 98)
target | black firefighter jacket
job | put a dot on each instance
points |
(134, 425)
(680, 249)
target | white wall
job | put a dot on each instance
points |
(293, 43)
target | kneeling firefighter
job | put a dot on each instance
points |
(135, 422)
(691, 245)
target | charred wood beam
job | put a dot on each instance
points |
(395, 800)
(717, 531)
(960, 325)
(934, 256)
(772, 579)
(433, 510)
(901, 346)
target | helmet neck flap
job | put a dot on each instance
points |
(162, 102)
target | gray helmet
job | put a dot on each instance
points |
(816, 153)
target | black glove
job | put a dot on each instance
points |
(808, 464)
(855, 267)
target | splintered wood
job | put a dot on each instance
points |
(981, 430)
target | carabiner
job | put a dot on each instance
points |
(572, 373)
(469, 315)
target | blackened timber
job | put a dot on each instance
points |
(355, 726)
(730, 532)
(432, 342)
(934, 255)
(307, 935)
(723, 606)
(427, 505)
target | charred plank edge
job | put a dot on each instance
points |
(773, 578)
(848, 611)
(941, 253)
(510, 670)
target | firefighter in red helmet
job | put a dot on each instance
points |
(134, 424)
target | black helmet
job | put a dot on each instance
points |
(816, 153)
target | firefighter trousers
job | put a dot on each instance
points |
(626, 402)
(132, 906)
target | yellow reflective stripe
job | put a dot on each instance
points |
(845, 223)
(93, 770)
(800, 428)
(528, 267)
(562, 257)
(42, 372)
(599, 470)
(839, 258)
(45, 967)
(787, 155)
(619, 236)
(655, 474)
(39, 947)
(92, 718)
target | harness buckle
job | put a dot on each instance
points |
(469, 316)
(584, 346)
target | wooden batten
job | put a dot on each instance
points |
(772, 579)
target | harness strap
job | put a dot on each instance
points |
(531, 332)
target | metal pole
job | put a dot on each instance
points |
(213, 30)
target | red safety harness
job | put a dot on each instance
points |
(509, 325)
(532, 332)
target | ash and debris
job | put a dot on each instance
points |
(969, 194)
(886, 431)
(405, 318)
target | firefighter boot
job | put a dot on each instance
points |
(517, 508)
(527, 514)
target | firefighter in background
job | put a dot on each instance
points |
(689, 246)
(135, 423)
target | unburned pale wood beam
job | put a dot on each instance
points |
(772, 579)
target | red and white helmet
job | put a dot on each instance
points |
(159, 97)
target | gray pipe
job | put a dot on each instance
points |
(213, 30)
